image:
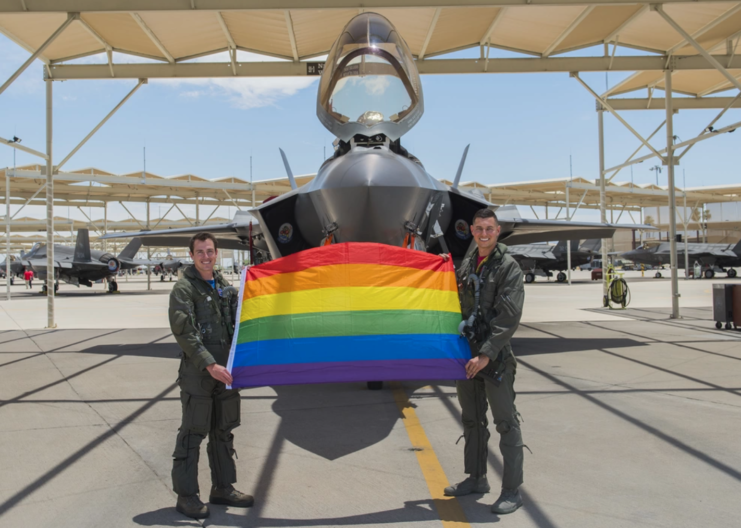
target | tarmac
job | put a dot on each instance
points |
(633, 419)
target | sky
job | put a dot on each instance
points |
(520, 127)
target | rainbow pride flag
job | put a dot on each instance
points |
(348, 312)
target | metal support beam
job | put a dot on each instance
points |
(90, 220)
(50, 272)
(486, 37)
(672, 197)
(431, 67)
(131, 215)
(291, 34)
(616, 32)
(149, 257)
(702, 51)
(683, 103)
(17, 146)
(430, 31)
(153, 37)
(735, 101)
(103, 122)
(602, 194)
(609, 108)
(7, 230)
(568, 242)
(578, 20)
(71, 17)
(636, 151)
(163, 216)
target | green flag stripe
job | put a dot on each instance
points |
(331, 324)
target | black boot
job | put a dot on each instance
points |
(192, 507)
(230, 497)
(508, 502)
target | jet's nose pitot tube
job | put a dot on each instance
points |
(370, 84)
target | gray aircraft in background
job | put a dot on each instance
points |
(711, 257)
(372, 189)
(80, 265)
(544, 259)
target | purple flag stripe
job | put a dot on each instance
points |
(349, 371)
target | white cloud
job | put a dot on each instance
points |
(244, 93)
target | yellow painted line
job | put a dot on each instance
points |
(448, 508)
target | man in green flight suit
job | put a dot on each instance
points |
(492, 294)
(202, 315)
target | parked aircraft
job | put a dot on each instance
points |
(543, 259)
(81, 265)
(372, 189)
(711, 257)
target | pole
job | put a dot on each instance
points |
(7, 227)
(686, 221)
(602, 194)
(568, 243)
(672, 197)
(50, 323)
(149, 256)
(105, 225)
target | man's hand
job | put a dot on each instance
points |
(475, 365)
(220, 373)
(445, 257)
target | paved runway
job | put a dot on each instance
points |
(633, 420)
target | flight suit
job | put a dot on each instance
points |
(501, 297)
(202, 322)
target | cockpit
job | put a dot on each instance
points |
(370, 84)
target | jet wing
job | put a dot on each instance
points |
(232, 235)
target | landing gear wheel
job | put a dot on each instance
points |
(162, 278)
(375, 385)
(112, 287)
(56, 287)
(170, 277)
(43, 291)
(718, 325)
(561, 277)
(728, 326)
(709, 274)
(731, 273)
(605, 302)
(529, 278)
(658, 275)
(12, 281)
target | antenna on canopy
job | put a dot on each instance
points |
(288, 170)
(460, 167)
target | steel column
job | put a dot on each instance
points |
(672, 197)
(568, 242)
(7, 228)
(149, 256)
(50, 274)
(602, 193)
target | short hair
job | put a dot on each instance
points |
(200, 237)
(483, 214)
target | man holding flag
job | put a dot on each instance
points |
(492, 294)
(202, 314)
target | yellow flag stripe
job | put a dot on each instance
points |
(352, 299)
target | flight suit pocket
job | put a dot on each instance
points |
(230, 412)
(197, 413)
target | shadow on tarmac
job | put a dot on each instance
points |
(412, 511)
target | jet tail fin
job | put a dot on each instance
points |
(288, 170)
(460, 168)
(82, 246)
(131, 249)
(592, 244)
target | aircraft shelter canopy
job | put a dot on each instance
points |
(173, 32)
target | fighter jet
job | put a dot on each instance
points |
(81, 265)
(543, 259)
(16, 268)
(711, 257)
(372, 189)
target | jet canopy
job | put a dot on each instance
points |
(370, 84)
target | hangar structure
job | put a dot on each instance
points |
(690, 48)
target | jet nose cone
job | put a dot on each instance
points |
(370, 84)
